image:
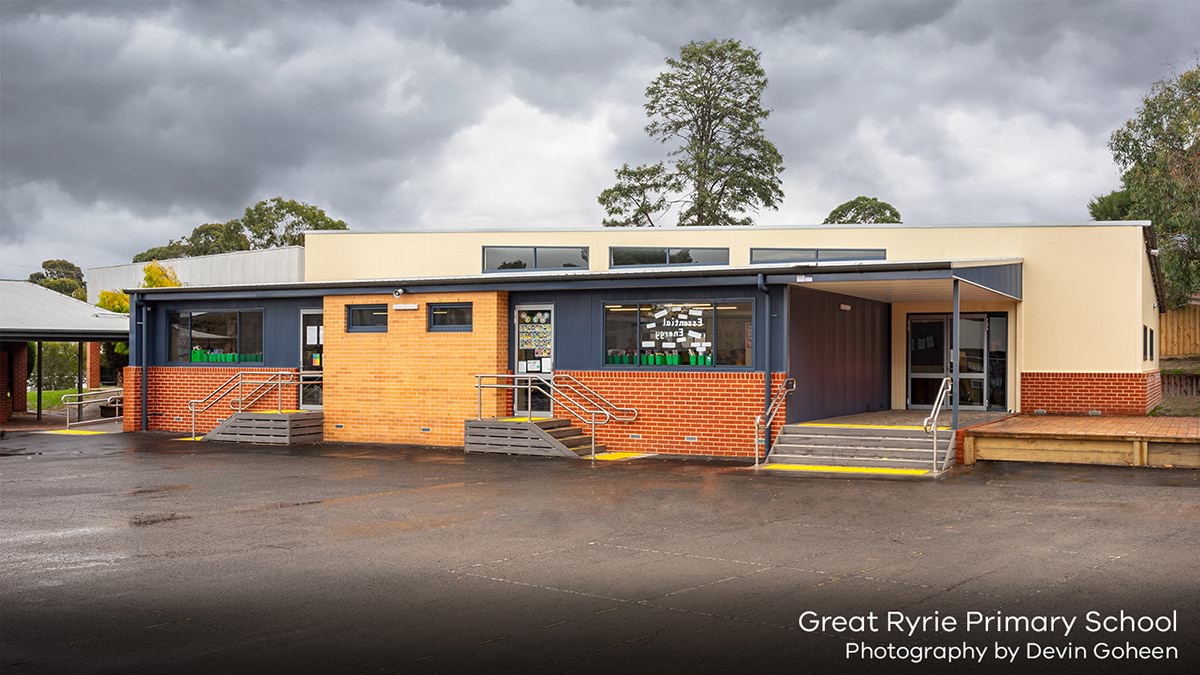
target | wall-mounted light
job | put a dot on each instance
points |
(844, 307)
(1154, 252)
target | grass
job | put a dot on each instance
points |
(51, 398)
(1190, 366)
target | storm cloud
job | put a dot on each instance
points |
(124, 124)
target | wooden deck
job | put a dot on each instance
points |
(1122, 441)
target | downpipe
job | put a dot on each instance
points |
(762, 286)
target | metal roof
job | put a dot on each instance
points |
(29, 312)
(544, 276)
(727, 228)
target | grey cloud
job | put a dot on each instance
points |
(193, 110)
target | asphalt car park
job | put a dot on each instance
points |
(132, 552)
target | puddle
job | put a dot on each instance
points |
(143, 519)
(154, 490)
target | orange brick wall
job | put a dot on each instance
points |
(20, 375)
(387, 387)
(93, 365)
(169, 388)
(717, 409)
(1082, 393)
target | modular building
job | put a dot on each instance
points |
(392, 334)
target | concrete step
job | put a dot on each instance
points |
(575, 441)
(854, 451)
(552, 423)
(827, 460)
(586, 450)
(849, 430)
(860, 441)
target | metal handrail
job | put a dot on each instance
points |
(80, 400)
(930, 423)
(762, 423)
(593, 417)
(236, 382)
(618, 413)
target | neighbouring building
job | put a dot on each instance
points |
(389, 333)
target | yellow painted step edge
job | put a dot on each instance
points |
(821, 468)
(866, 426)
(619, 456)
(74, 432)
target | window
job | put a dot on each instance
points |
(645, 256)
(787, 255)
(1145, 342)
(686, 333)
(366, 318)
(510, 258)
(450, 318)
(215, 336)
(1151, 344)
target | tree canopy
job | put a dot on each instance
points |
(1112, 206)
(155, 275)
(863, 209)
(1158, 151)
(268, 224)
(62, 276)
(707, 105)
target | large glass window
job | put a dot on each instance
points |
(510, 258)
(644, 256)
(685, 333)
(787, 255)
(215, 336)
(366, 318)
(450, 317)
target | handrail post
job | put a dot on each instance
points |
(593, 438)
(479, 393)
(528, 398)
(279, 390)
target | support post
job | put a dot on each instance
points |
(79, 373)
(954, 347)
(39, 380)
(142, 340)
(762, 286)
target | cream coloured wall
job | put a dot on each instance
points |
(1150, 315)
(1084, 299)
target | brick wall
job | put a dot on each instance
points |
(20, 376)
(716, 409)
(1082, 393)
(169, 388)
(93, 365)
(6, 401)
(388, 387)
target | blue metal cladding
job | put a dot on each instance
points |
(1003, 278)
(841, 359)
(281, 328)
(579, 320)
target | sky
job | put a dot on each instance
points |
(126, 124)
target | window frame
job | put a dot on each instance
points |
(351, 328)
(238, 311)
(430, 327)
(755, 344)
(666, 257)
(817, 257)
(536, 267)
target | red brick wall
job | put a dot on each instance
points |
(93, 365)
(20, 377)
(1081, 393)
(171, 387)
(718, 409)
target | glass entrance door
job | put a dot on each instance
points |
(982, 360)
(312, 359)
(534, 355)
(928, 359)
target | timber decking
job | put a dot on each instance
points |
(539, 437)
(1119, 441)
(286, 428)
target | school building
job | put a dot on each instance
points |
(664, 340)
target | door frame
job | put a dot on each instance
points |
(947, 320)
(303, 372)
(516, 410)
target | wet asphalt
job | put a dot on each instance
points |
(140, 553)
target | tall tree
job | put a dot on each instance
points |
(863, 209)
(283, 222)
(707, 104)
(267, 224)
(62, 276)
(1158, 151)
(1112, 206)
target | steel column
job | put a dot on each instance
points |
(39, 380)
(954, 347)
